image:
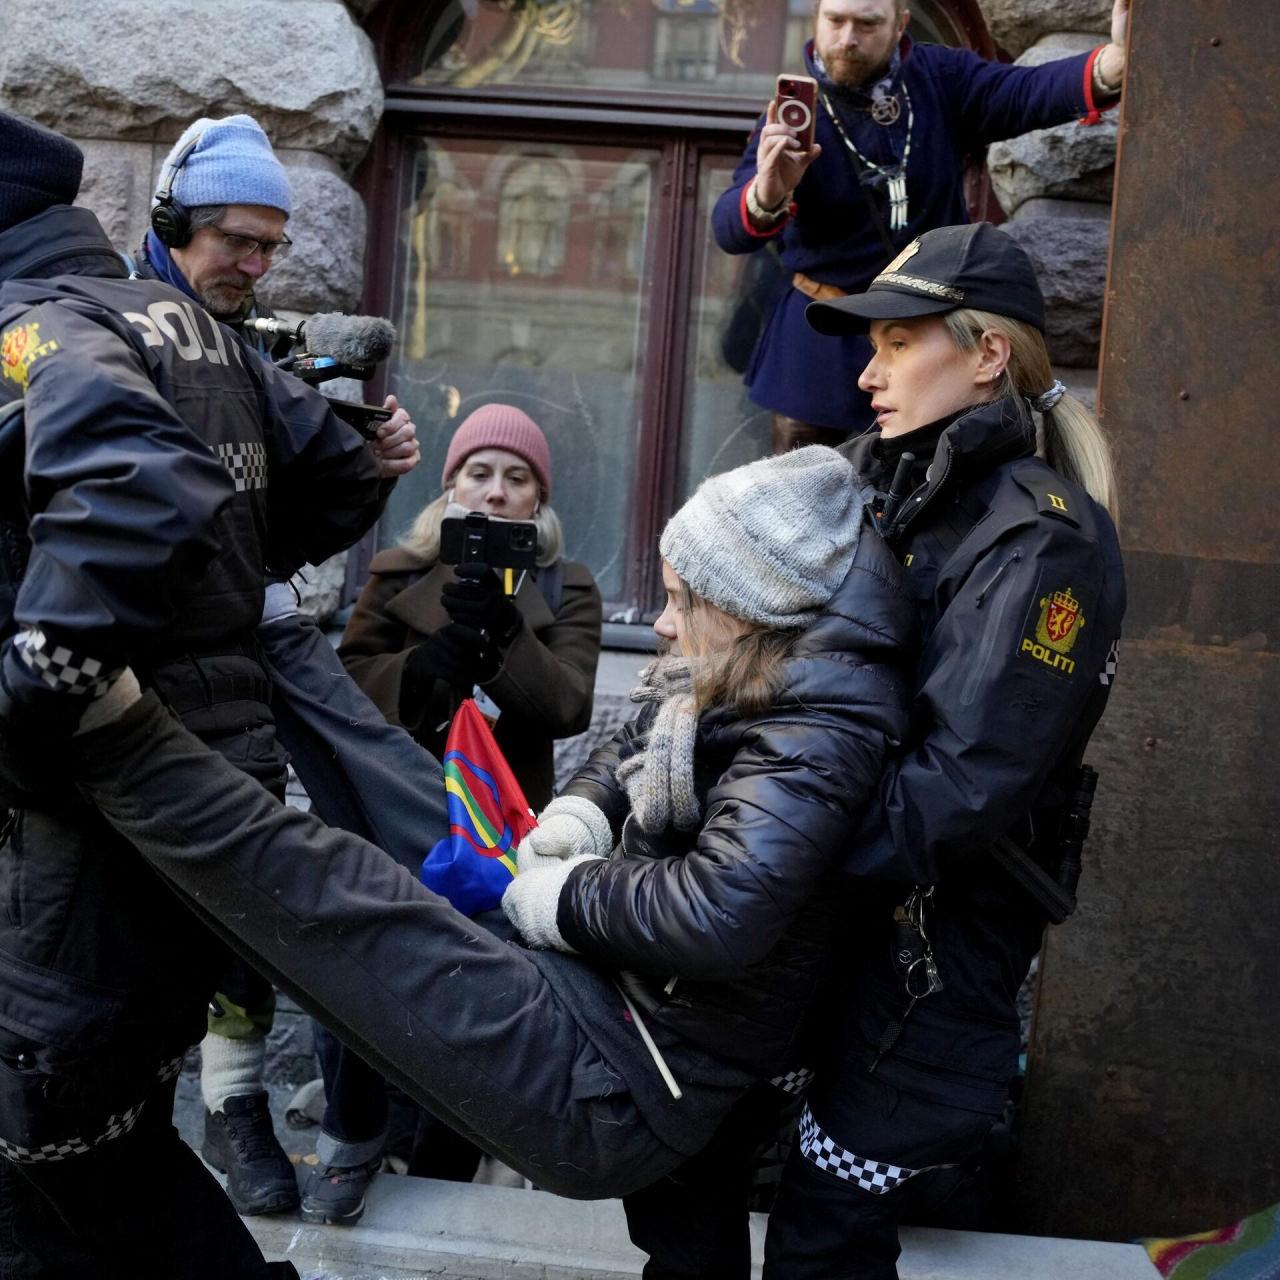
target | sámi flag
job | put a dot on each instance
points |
(488, 817)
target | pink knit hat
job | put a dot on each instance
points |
(501, 426)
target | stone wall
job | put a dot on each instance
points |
(1055, 184)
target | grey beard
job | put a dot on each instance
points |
(230, 317)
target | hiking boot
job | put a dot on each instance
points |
(240, 1142)
(336, 1195)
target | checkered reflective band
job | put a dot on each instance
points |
(1108, 673)
(61, 668)
(114, 1127)
(794, 1082)
(871, 1175)
(246, 464)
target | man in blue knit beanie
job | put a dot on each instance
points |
(218, 216)
(217, 224)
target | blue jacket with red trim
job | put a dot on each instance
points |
(958, 104)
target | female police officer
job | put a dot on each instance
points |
(993, 488)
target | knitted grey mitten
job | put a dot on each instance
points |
(533, 898)
(568, 827)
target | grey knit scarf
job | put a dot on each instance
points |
(659, 779)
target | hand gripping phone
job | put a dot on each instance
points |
(797, 99)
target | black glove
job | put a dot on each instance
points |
(476, 600)
(33, 750)
(458, 655)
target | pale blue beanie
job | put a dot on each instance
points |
(231, 164)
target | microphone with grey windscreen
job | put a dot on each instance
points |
(332, 345)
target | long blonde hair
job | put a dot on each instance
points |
(1070, 440)
(734, 663)
(423, 535)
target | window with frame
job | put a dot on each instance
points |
(541, 216)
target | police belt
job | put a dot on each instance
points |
(816, 290)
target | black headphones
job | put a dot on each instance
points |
(170, 219)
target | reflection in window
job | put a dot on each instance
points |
(533, 218)
(499, 41)
(620, 213)
(686, 41)
(565, 338)
(715, 46)
(703, 46)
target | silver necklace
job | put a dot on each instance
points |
(895, 176)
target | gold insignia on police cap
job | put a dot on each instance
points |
(909, 252)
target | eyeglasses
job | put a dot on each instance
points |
(240, 247)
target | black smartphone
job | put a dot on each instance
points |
(497, 544)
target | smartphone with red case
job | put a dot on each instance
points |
(797, 99)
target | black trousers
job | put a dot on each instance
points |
(469, 1026)
(140, 1206)
(357, 1114)
(869, 1155)
(693, 1223)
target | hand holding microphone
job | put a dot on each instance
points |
(332, 345)
(395, 445)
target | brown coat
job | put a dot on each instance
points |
(544, 687)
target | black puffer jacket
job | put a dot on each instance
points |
(742, 913)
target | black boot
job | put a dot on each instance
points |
(240, 1142)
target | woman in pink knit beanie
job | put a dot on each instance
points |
(419, 639)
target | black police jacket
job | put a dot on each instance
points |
(162, 467)
(166, 466)
(1019, 586)
(742, 912)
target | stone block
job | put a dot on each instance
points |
(117, 186)
(1070, 256)
(324, 271)
(1017, 24)
(1070, 161)
(143, 70)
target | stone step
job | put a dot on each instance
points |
(415, 1228)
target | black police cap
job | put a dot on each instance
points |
(974, 266)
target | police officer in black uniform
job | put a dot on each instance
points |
(993, 487)
(155, 470)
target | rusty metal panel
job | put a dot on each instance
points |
(1152, 1106)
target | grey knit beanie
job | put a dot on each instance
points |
(769, 542)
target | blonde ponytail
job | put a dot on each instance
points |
(1070, 439)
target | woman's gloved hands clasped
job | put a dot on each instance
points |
(476, 600)
(567, 828)
(570, 831)
(532, 901)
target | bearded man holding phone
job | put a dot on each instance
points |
(894, 123)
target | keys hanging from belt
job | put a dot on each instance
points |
(913, 959)
(913, 952)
